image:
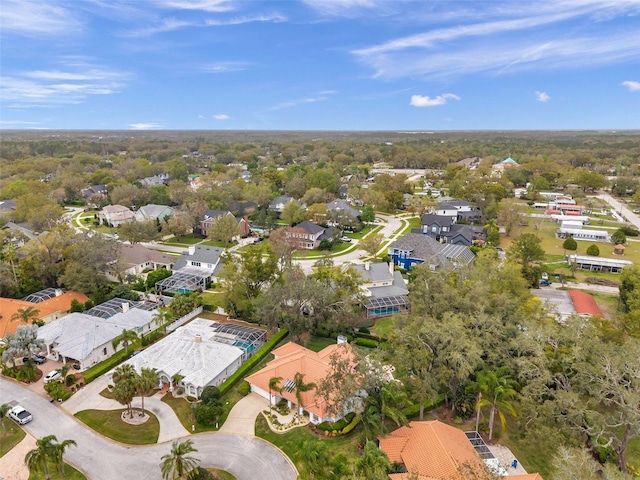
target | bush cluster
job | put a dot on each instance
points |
(340, 427)
(151, 337)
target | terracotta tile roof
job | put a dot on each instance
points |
(10, 306)
(528, 476)
(432, 449)
(584, 303)
(291, 359)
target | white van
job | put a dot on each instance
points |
(51, 376)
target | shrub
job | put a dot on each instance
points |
(618, 237)
(414, 410)
(629, 231)
(366, 342)
(57, 391)
(244, 388)
(209, 394)
(151, 337)
(593, 250)
(364, 330)
(352, 424)
(253, 361)
(570, 244)
(322, 332)
(70, 380)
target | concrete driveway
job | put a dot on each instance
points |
(102, 459)
(242, 417)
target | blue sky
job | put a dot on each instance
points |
(320, 64)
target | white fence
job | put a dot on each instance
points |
(182, 320)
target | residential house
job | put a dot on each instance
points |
(499, 168)
(278, 203)
(471, 163)
(51, 304)
(87, 339)
(18, 234)
(417, 248)
(564, 303)
(458, 210)
(340, 208)
(194, 270)
(384, 288)
(138, 260)
(307, 235)
(154, 212)
(585, 304)
(155, 180)
(245, 175)
(444, 230)
(116, 215)
(202, 352)
(291, 359)
(7, 207)
(434, 450)
(211, 216)
(94, 190)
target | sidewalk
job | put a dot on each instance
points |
(89, 398)
(12, 466)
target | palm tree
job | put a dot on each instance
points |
(314, 453)
(37, 458)
(126, 337)
(373, 464)
(177, 464)
(26, 315)
(496, 390)
(274, 384)
(58, 452)
(4, 410)
(124, 380)
(145, 383)
(370, 423)
(389, 400)
(300, 387)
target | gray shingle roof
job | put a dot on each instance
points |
(442, 221)
(202, 254)
(310, 227)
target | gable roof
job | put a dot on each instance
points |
(432, 449)
(310, 227)
(201, 253)
(448, 204)
(291, 359)
(509, 161)
(138, 254)
(10, 306)
(155, 211)
(584, 303)
(20, 228)
(343, 206)
(420, 245)
(440, 220)
(282, 199)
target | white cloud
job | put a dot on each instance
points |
(542, 96)
(145, 126)
(201, 117)
(274, 18)
(632, 85)
(425, 101)
(221, 116)
(71, 85)
(167, 25)
(226, 67)
(344, 7)
(204, 5)
(37, 18)
(17, 122)
(510, 38)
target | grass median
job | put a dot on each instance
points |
(110, 424)
(13, 437)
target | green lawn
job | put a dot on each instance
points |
(185, 240)
(215, 243)
(632, 455)
(13, 437)
(337, 248)
(383, 326)
(182, 409)
(70, 473)
(290, 443)
(109, 424)
(212, 299)
(318, 343)
(221, 474)
(364, 231)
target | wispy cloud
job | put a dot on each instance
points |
(37, 18)
(426, 101)
(515, 39)
(266, 18)
(542, 96)
(347, 8)
(145, 126)
(225, 67)
(632, 85)
(321, 97)
(166, 25)
(221, 116)
(204, 5)
(73, 84)
(20, 123)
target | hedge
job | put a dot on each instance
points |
(414, 410)
(103, 367)
(365, 342)
(253, 361)
(352, 425)
(151, 337)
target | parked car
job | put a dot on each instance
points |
(52, 375)
(35, 358)
(20, 415)
(636, 210)
(345, 239)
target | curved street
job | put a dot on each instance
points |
(99, 458)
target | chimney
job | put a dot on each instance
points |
(58, 292)
(198, 338)
(391, 265)
(125, 307)
(367, 266)
(192, 249)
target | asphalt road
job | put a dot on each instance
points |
(102, 459)
(621, 208)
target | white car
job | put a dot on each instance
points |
(51, 376)
(345, 239)
(20, 415)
